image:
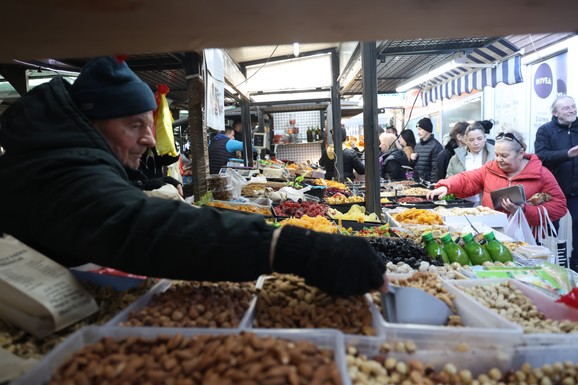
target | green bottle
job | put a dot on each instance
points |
(432, 248)
(454, 251)
(477, 254)
(498, 252)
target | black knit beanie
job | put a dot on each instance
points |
(107, 88)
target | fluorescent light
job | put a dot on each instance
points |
(430, 75)
(296, 49)
(352, 73)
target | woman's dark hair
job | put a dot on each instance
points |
(409, 137)
(487, 124)
(458, 128)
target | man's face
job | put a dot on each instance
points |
(423, 134)
(565, 111)
(128, 137)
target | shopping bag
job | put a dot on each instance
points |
(165, 140)
(519, 229)
(547, 236)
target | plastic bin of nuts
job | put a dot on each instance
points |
(544, 321)
(118, 355)
(478, 325)
(194, 304)
(374, 362)
(285, 301)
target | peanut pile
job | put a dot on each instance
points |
(197, 304)
(110, 302)
(244, 359)
(387, 370)
(287, 302)
(508, 301)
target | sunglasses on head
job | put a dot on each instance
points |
(509, 136)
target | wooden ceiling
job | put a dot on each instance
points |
(35, 29)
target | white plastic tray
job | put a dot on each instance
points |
(375, 315)
(543, 302)
(481, 326)
(143, 301)
(41, 373)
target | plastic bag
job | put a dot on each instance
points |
(519, 229)
(547, 236)
(236, 181)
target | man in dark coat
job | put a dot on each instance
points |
(557, 147)
(426, 151)
(65, 192)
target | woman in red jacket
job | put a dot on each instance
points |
(511, 166)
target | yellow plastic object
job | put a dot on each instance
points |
(164, 124)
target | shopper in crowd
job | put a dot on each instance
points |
(327, 161)
(512, 166)
(392, 159)
(476, 153)
(426, 152)
(351, 161)
(457, 139)
(65, 192)
(557, 146)
(390, 129)
(407, 141)
(238, 129)
(222, 148)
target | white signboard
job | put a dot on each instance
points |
(214, 89)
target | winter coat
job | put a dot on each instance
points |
(391, 164)
(352, 161)
(64, 193)
(553, 141)
(457, 163)
(534, 177)
(218, 154)
(425, 165)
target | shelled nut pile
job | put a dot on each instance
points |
(508, 301)
(287, 302)
(388, 370)
(244, 359)
(110, 302)
(196, 304)
(446, 271)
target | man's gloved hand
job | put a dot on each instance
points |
(336, 264)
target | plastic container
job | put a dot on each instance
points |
(41, 373)
(477, 254)
(544, 303)
(223, 194)
(217, 181)
(496, 249)
(481, 326)
(433, 248)
(454, 251)
(143, 302)
(376, 317)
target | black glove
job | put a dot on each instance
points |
(337, 264)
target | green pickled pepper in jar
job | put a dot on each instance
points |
(454, 251)
(498, 252)
(432, 248)
(477, 254)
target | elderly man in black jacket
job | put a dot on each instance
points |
(557, 147)
(65, 192)
(426, 151)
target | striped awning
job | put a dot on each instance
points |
(506, 68)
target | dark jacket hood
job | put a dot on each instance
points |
(46, 118)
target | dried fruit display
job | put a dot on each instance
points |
(287, 302)
(398, 250)
(300, 208)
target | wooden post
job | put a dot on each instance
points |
(197, 128)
